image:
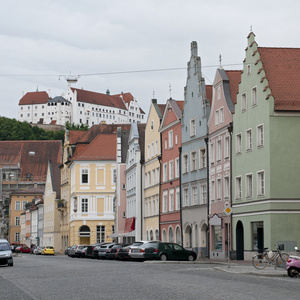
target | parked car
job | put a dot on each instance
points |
(80, 251)
(48, 250)
(6, 256)
(23, 249)
(38, 250)
(104, 250)
(73, 249)
(136, 245)
(96, 250)
(90, 250)
(13, 246)
(67, 250)
(113, 251)
(162, 251)
(123, 253)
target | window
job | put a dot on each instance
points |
(17, 236)
(166, 144)
(202, 158)
(248, 69)
(146, 180)
(217, 117)
(192, 127)
(213, 190)
(156, 147)
(249, 139)
(186, 196)
(227, 147)
(146, 209)
(244, 102)
(176, 139)
(217, 237)
(226, 187)
(219, 189)
(171, 200)
(260, 136)
(176, 167)
(17, 221)
(185, 164)
(84, 176)
(165, 200)
(171, 170)
(171, 139)
(212, 153)
(148, 151)
(100, 234)
(152, 149)
(254, 96)
(24, 204)
(249, 186)
(238, 143)
(194, 195)
(157, 175)
(193, 161)
(165, 174)
(153, 177)
(219, 150)
(221, 115)
(203, 194)
(18, 205)
(84, 205)
(238, 187)
(261, 183)
(177, 200)
(114, 176)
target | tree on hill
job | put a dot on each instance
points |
(81, 127)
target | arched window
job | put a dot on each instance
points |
(164, 235)
(151, 235)
(171, 237)
(84, 231)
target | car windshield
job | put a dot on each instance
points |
(137, 244)
(81, 247)
(4, 247)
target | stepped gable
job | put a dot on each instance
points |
(34, 98)
(208, 90)
(98, 99)
(33, 156)
(234, 77)
(127, 98)
(282, 69)
(103, 147)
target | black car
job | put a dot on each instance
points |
(104, 250)
(80, 251)
(96, 250)
(90, 250)
(123, 253)
(113, 251)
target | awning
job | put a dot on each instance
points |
(129, 225)
(122, 234)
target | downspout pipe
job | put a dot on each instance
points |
(180, 190)
(230, 129)
(208, 202)
(142, 161)
(159, 197)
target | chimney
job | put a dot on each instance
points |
(108, 92)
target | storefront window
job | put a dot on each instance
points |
(257, 235)
(217, 238)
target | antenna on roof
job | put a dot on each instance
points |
(250, 28)
(153, 94)
(220, 61)
(170, 90)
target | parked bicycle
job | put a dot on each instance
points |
(267, 258)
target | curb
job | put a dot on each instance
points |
(252, 273)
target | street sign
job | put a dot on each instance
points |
(228, 210)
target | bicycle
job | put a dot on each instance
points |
(262, 260)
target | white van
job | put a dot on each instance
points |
(6, 256)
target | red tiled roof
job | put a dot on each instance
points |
(75, 136)
(34, 98)
(234, 77)
(208, 89)
(162, 108)
(99, 99)
(282, 68)
(37, 164)
(127, 97)
(103, 147)
(180, 104)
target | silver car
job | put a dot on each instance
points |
(6, 256)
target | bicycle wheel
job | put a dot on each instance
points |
(282, 260)
(260, 261)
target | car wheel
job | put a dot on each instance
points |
(191, 257)
(11, 264)
(292, 272)
(163, 257)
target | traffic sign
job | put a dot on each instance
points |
(228, 210)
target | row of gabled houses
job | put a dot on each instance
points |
(215, 172)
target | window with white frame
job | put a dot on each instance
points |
(186, 196)
(153, 207)
(156, 147)
(219, 150)
(165, 201)
(213, 190)
(193, 161)
(249, 139)
(221, 115)
(226, 187)
(219, 189)
(157, 175)
(165, 174)
(17, 236)
(193, 127)
(227, 147)
(148, 152)
(249, 184)
(212, 153)
(152, 149)
(171, 199)
(171, 169)
(238, 187)
(219, 92)
(84, 176)
(248, 69)
(100, 234)
(261, 183)
(254, 96)
(185, 163)
(176, 167)
(166, 144)
(18, 205)
(84, 205)
(238, 145)
(203, 191)
(150, 209)
(17, 221)
(202, 158)
(244, 102)
(171, 139)
(146, 209)
(149, 178)
(260, 135)
(217, 117)
(153, 177)
(177, 199)
(194, 195)
(176, 139)
(114, 179)
(24, 204)
(146, 180)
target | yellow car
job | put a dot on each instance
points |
(48, 250)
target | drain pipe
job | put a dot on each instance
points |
(207, 193)
(180, 190)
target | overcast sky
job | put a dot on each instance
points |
(41, 42)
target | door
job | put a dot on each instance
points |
(239, 241)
